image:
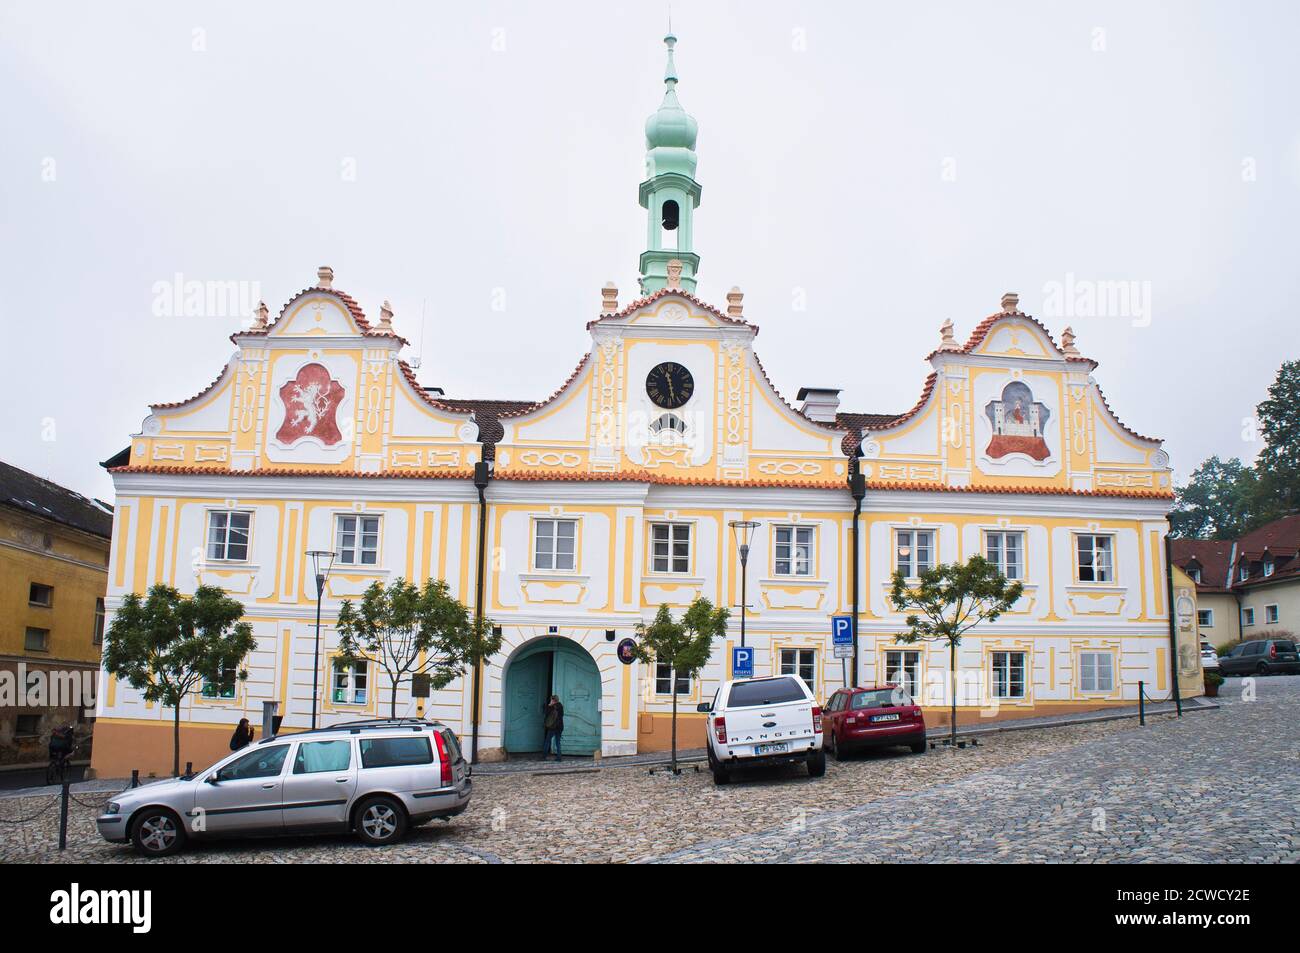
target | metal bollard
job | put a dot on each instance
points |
(189, 769)
(135, 777)
(63, 816)
(1142, 704)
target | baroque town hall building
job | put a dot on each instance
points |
(615, 496)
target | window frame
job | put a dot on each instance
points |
(101, 613)
(337, 668)
(1109, 551)
(1096, 654)
(1209, 614)
(208, 542)
(913, 561)
(915, 688)
(358, 534)
(1007, 672)
(671, 558)
(792, 545)
(555, 537)
(1272, 613)
(45, 638)
(999, 559)
(799, 663)
(208, 693)
(35, 603)
(1247, 615)
(663, 679)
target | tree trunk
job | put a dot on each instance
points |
(176, 741)
(392, 702)
(952, 665)
(674, 755)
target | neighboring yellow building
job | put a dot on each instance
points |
(53, 574)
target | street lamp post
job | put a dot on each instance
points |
(743, 532)
(322, 561)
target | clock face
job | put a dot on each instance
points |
(669, 385)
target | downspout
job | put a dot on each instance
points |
(1173, 622)
(858, 488)
(482, 474)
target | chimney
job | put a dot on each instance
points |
(324, 277)
(819, 403)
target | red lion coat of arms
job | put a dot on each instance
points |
(310, 402)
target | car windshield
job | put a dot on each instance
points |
(881, 698)
(765, 691)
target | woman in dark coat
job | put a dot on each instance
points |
(243, 735)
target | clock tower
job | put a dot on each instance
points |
(669, 193)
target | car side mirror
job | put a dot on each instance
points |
(705, 707)
(210, 779)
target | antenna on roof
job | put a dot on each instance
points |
(419, 352)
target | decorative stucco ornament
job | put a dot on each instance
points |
(947, 341)
(1067, 343)
(674, 274)
(609, 298)
(386, 316)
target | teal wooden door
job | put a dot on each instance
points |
(577, 681)
(526, 682)
(553, 667)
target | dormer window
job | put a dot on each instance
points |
(1244, 573)
(1195, 575)
(667, 424)
(1268, 567)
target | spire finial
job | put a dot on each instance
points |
(670, 71)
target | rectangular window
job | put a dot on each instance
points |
(670, 547)
(395, 752)
(664, 679)
(904, 670)
(1244, 573)
(1271, 615)
(98, 636)
(221, 687)
(1096, 558)
(915, 551)
(350, 683)
(1205, 618)
(1268, 568)
(794, 550)
(1096, 672)
(1248, 616)
(228, 535)
(554, 544)
(357, 540)
(1007, 552)
(1008, 674)
(40, 595)
(36, 640)
(801, 662)
(315, 757)
(27, 726)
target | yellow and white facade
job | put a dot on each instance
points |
(226, 489)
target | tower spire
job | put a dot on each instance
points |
(669, 193)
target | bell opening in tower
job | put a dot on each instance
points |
(671, 218)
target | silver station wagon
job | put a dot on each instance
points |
(377, 778)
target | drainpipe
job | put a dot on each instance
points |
(1173, 622)
(857, 487)
(482, 474)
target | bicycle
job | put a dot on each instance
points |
(56, 771)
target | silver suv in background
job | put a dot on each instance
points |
(375, 778)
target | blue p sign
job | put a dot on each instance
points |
(742, 662)
(841, 630)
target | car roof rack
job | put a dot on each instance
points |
(356, 727)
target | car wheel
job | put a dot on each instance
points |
(918, 748)
(1261, 669)
(157, 832)
(381, 820)
(720, 775)
(816, 764)
(840, 753)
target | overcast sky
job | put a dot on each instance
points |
(868, 170)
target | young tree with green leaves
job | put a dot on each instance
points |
(410, 630)
(167, 645)
(683, 646)
(946, 602)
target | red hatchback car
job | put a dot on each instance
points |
(879, 717)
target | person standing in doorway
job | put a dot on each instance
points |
(553, 722)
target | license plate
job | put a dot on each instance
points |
(778, 748)
(884, 717)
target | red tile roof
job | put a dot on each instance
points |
(1213, 556)
(348, 302)
(663, 293)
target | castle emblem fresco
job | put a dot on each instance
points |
(1018, 422)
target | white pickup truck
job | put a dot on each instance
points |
(763, 721)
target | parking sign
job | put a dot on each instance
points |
(842, 635)
(742, 662)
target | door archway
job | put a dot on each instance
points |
(545, 667)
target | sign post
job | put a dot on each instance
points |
(842, 641)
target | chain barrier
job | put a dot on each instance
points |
(54, 800)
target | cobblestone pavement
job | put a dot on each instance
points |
(1213, 787)
(1207, 787)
